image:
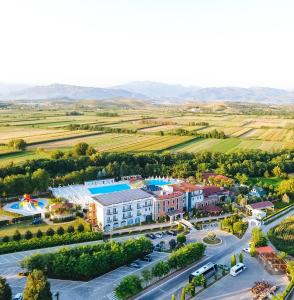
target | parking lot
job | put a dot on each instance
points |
(231, 288)
(101, 287)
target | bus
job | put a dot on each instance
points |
(237, 269)
(207, 271)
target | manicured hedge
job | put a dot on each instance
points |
(278, 214)
(49, 241)
(186, 255)
(86, 262)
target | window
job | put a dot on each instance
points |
(158, 207)
(108, 211)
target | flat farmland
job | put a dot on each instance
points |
(160, 128)
(154, 143)
(230, 145)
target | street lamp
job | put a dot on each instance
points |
(56, 295)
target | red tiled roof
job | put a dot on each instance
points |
(186, 187)
(169, 195)
(211, 189)
(206, 175)
(212, 208)
(261, 205)
(263, 250)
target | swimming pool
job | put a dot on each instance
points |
(158, 182)
(109, 189)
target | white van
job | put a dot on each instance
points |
(18, 297)
(238, 268)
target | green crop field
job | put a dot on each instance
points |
(47, 130)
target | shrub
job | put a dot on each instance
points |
(39, 233)
(85, 262)
(5, 239)
(60, 230)
(128, 287)
(16, 236)
(186, 255)
(49, 241)
(50, 232)
(70, 229)
(181, 238)
(28, 235)
(233, 260)
(5, 290)
(81, 228)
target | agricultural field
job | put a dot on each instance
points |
(48, 129)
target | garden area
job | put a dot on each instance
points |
(87, 262)
(179, 258)
(282, 236)
(234, 225)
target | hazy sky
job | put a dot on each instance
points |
(106, 42)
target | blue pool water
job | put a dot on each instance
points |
(17, 206)
(158, 182)
(109, 189)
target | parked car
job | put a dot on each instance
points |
(224, 267)
(169, 232)
(18, 297)
(158, 235)
(157, 247)
(151, 236)
(23, 274)
(134, 265)
(247, 250)
(147, 258)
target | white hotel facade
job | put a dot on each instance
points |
(123, 208)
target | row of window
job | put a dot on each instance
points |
(129, 207)
(123, 223)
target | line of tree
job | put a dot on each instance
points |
(79, 165)
(180, 258)
(47, 240)
(85, 262)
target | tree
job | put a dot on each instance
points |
(172, 244)
(241, 257)
(233, 260)
(81, 149)
(28, 235)
(129, 286)
(160, 269)
(50, 232)
(181, 238)
(238, 227)
(18, 144)
(70, 229)
(258, 238)
(16, 236)
(173, 297)
(252, 249)
(37, 287)
(286, 198)
(40, 180)
(183, 294)
(282, 255)
(60, 230)
(57, 154)
(180, 227)
(90, 151)
(5, 291)
(39, 233)
(286, 187)
(147, 275)
(277, 171)
(81, 228)
(190, 289)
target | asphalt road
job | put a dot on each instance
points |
(173, 285)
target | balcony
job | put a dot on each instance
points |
(127, 209)
(127, 217)
(147, 205)
(115, 212)
(109, 213)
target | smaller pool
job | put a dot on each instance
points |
(158, 182)
(16, 205)
(109, 189)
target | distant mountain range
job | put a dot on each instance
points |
(147, 90)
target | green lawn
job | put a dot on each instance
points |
(270, 181)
